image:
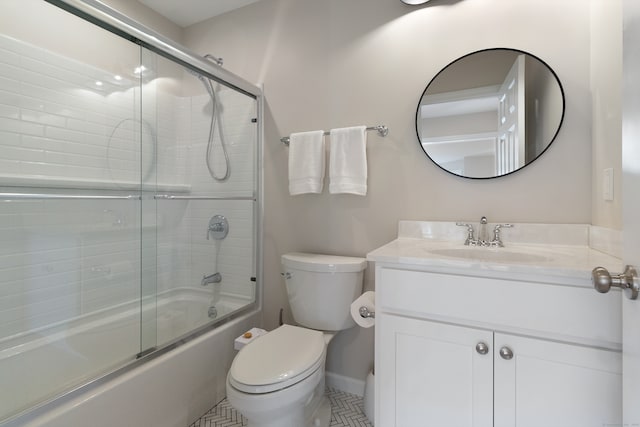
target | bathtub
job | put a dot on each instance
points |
(172, 389)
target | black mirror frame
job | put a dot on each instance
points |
(473, 53)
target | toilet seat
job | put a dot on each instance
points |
(279, 359)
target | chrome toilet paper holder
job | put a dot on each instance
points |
(366, 313)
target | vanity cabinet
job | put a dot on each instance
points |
(548, 383)
(457, 350)
(429, 374)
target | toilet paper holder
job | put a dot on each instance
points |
(366, 313)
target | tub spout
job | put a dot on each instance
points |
(211, 278)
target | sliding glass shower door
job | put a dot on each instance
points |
(70, 215)
(128, 202)
(204, 197)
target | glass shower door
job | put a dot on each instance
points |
(70, 209)
(206, 188)
(128, 202)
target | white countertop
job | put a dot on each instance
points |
(568, 264)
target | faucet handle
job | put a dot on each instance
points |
(496, 234)
(470, 231)
(469, 227)
(499, 226)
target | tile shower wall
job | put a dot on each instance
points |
(58, 124)
(58, 260)
(61, 259)
(184, 246)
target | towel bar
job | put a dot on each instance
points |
(381, 129)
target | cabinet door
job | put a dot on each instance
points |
(430, 374)
(555, 384)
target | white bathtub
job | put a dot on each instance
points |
(34, 366)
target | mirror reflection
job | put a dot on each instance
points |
(490, 113)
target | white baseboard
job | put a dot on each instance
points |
(346, 384)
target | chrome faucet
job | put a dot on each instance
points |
(482, 232)
(483, 239)
(211, 278)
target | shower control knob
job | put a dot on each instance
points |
(482, 348)
(506, 353)
(218, 227)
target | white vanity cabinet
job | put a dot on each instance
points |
(429, 374)
(548, 383)
(457, 350)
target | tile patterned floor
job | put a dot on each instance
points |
(346, 411)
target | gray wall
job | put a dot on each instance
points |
(334, 63)
(606, 75)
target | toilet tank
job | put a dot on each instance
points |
(321, 288)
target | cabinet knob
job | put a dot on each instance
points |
(506, 353)
(482, 348)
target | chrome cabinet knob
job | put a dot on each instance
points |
(506, 353)
(627, 281)
(482, 348)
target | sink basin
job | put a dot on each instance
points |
(490, 255)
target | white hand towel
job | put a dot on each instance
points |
(306, 162)
(348, 161)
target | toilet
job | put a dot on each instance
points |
(278, 379)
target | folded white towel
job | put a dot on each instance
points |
(306, 162)
(348, 161)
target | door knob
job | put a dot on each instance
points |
(506, 353)
(482, 348)
(628, 281)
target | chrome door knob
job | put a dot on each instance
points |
(506, 353)
(627, 281)
(482, 348)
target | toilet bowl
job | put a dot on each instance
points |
(278, 380)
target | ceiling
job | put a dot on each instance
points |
(188, 12)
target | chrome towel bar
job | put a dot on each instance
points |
(381, 129)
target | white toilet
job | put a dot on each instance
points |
(278, 379)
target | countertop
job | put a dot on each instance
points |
(560, 264)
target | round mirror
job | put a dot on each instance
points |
(490, 113)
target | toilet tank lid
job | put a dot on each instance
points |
(323, 263)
